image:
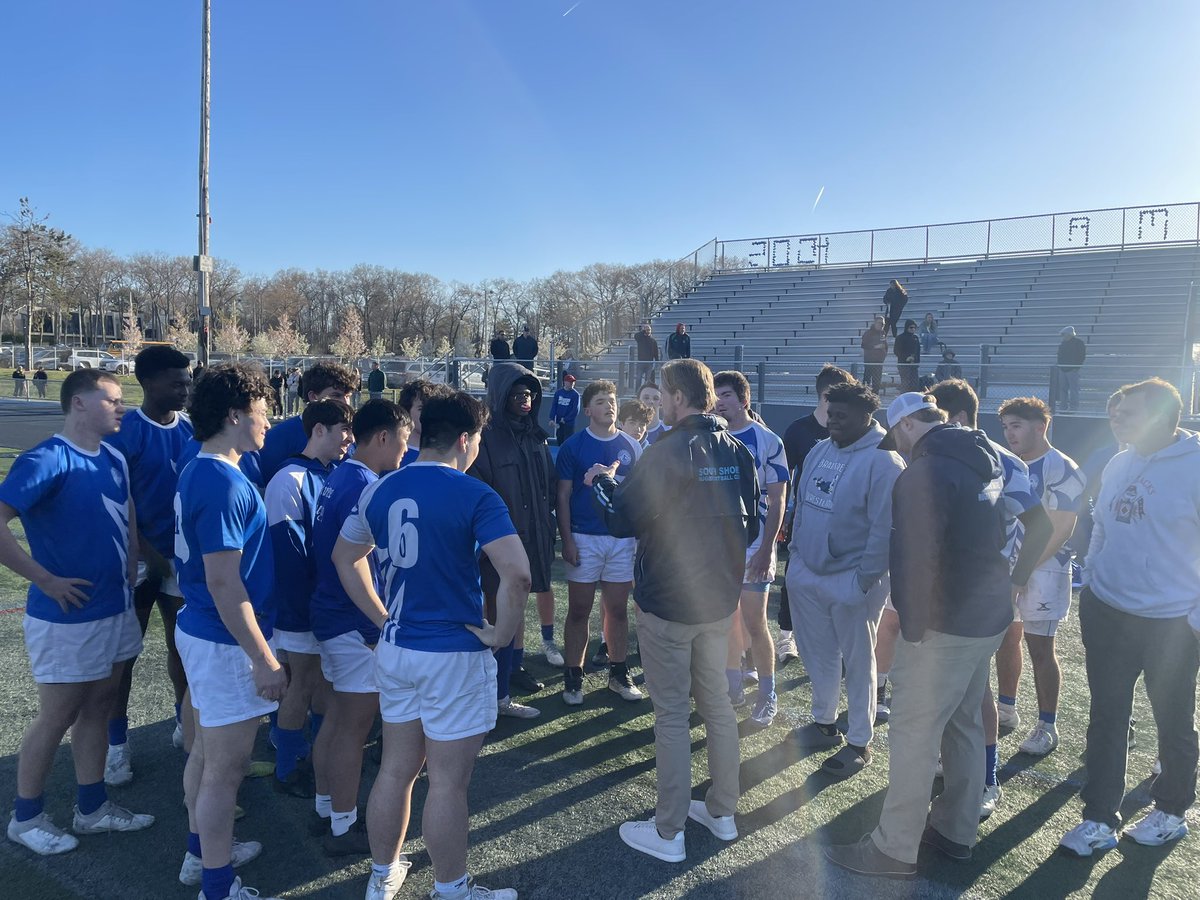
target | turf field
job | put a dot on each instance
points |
(547, 798)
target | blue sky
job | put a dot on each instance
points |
(490, 138)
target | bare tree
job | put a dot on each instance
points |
(35, 255)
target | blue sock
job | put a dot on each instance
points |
(1007, 701)
(503, 670)
(1047, 717)
(315, 719)
(179, 712)
(91, 797)
(274, 717)
(989, 764)
(26, 808)
(518, 658)
(548, 632)
(289, 747)
(217, 882)
(766, 685)
(734, 677)
(194, 844)
(118, 732)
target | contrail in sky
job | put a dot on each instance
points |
(571, 10)
(820, 193)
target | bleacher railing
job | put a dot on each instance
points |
(1118, 228)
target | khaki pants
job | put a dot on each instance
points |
(937, 691)
(682, 660)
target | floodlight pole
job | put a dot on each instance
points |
(203, 265)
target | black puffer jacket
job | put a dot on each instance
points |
(692, 503)
(949, 572)
(515, 461)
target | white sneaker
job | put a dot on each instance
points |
(386, 887)
(117, 767)
(573, 697)
(1042, 740)
(1086, 837)
(1156, 769)
(110, 817)
(41, 835)
(237, 892)
(553, 655)
(1009, 718)
(625, 688)
(1157, 829)
(644, 836)
(475, 892)
(722, 827)
(509, 707)
(177, 736)
(192, 871)
(785, 648)
(991, 799)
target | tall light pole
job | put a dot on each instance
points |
(204, 261)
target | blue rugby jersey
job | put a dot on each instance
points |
(579, 453)
(153, 452)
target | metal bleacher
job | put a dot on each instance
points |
(1002, 316)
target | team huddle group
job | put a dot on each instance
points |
(348, 566)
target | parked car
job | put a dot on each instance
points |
(83, 358)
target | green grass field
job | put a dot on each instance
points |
(547, 798)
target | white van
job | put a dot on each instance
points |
(83, 358)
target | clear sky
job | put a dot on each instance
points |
(487, 138)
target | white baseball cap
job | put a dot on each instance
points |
(904, 405)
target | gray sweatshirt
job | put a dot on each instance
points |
(844, 508)
(1144, 558)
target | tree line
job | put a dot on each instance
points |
(54, 287)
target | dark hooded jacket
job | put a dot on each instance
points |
(692, 503)
(949, 573)
(515, 461)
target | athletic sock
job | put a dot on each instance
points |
(216, 882)
(179, 713)
(323, 804)
(289, 748)
(766, 685)
(734, 677)
(573, 676)
(518, 658)
(118, 732)
(989, 764)
(340, 822)
(504, 670)
(1006, 701)
(26, 808)
(315, 719)
(273, 715)
(91, 797)
(618, 671)
(194, 844)
(451, 888)
(1047, 717)
(382, 871)
(881, 680)
(548, 632)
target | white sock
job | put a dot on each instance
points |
(452, 888)
(881, 679)
(784, 635)
(382, 871)
(340, 822)
(324, 805)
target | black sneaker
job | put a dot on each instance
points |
(298, 784)
(524, 682)
(882, 711)
(600, 660)
(353, 843)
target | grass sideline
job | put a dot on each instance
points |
(547, 797)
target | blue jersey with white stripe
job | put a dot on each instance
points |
(284, 440)
(74, 507)
(579, 453)
(655, 433)
(153, 452)
(332, 611)
(771, 464)
(291, 500)
(218, 509)
(431, 519)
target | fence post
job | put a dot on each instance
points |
(739, 353)
(761, 370)
(452, 374)
(856, 371)
(633, 367)
(988, 249)
(926, 243)
(1053, 235)
(985, 356)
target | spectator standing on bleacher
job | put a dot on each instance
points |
(928, 333)
(895, 299)
(874, 345)
(647, 354)
(525, 347)
(498, 348)
(948, 368)
(1072, 351)
(679, 345)
(908, 356)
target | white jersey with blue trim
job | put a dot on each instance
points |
(771, 463)
(1059, 484)
(291, 501)
(74, 507)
